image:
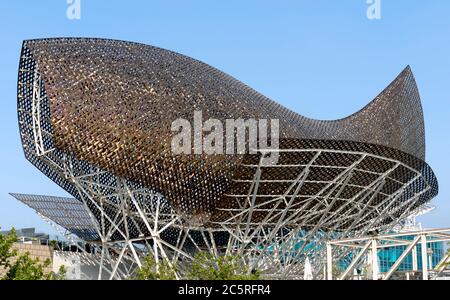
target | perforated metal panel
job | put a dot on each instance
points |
(69, 213)
(108, 105)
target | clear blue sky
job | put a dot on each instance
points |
(321, 58)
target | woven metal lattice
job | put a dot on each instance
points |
(69, 213)
(109, 105)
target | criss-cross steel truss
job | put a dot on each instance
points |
(331, 180)
(278, 245)
(365, 249)
(293, 230)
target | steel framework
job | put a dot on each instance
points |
(84, 118)
(366, 249)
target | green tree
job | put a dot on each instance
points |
(54, 245)
(6, 250)
(228, 267)
(205, 266)
(61, 275)
(151, 270)
(27, 268)
(22, 266)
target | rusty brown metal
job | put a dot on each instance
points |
(111, 105)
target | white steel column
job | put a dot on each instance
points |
(374, 261)
(423, 243)
(415, 266)
(329, 262)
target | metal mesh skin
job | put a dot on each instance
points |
(68, 213)
(111, 104)
(331, 179)
(95, 116)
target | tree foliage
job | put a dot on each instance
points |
(54, 245)
(151, 270)
(228, 267)
(205, 266)
(22, 266)
(6, 250)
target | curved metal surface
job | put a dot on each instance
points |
(109, 104)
